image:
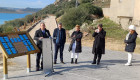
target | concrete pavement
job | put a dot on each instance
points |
(111, 68)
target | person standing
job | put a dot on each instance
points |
(99, 44)
(130, 43)
(59, 39)
(76, 46)
(39, 35)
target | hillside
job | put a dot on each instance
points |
(61, 9)
(2, 10)
(99, 3)
(102, 3)
(18, 10)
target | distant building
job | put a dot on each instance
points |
(124, 12)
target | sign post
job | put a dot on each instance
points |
(5, 67)
(16, 44)
(28, 63)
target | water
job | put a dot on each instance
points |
(10, 16)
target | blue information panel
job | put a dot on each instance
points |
(18, 44)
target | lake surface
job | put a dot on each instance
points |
(11, 16)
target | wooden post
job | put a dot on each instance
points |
(28, 63)
(24, 26)
(5, 68)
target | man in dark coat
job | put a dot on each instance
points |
(39, 35)
(99, 44)
(76, 46)
(59, 39)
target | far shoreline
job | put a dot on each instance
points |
(17, 12)
(3, 20)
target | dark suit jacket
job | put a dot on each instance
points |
(39, 34)
(63, 37)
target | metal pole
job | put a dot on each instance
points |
(76, 5)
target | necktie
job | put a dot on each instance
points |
(59, 35)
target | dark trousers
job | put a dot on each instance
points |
(61, 48)
(97, 55)
(38, 59)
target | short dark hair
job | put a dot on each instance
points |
(101, 25)
(59, 23)
(42, 22)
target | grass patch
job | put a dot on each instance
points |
(113, 30)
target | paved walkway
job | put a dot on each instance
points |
(111, 68)
(50, 25)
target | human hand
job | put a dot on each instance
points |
(73, 36)
(97, 30)
(78, 39)
(40, 38)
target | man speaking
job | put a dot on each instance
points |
(39, 35)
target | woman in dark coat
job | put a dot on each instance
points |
(99, 44)
(76, 46)
(130, 43)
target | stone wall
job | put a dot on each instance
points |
(124, 12)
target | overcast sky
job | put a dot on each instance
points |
(25, 3)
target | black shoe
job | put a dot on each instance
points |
(76, 61)
(98, 63)
(55, 63)
(62, 62)
(41, 67)
(72, 61)
(93, 62)
(37, 69)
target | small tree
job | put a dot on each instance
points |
(73, 17)
(85, 1)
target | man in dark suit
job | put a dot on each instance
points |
(39, 35)
(59, 39)
(99, 44)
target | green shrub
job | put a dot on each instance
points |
(29, 18)
(60, 13)
(73, 17)
(113, 30)
(80, 15)
(8, 29)
(85, 1)
(92, 9)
